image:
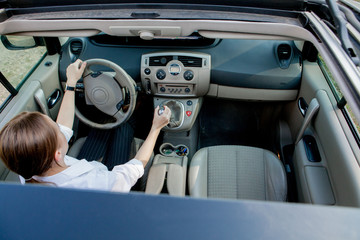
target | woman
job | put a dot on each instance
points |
(35, 147)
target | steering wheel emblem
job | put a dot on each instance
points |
(100, 96)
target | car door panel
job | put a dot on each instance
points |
(335, 179)
(342, 163)
(42, 83)
(48, 75)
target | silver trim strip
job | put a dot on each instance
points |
(350, 87)
(352, 4)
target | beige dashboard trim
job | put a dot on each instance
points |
(251, 93)
(33, 27)
(236, 35)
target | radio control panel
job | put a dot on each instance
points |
(176, 73)
(175, 89)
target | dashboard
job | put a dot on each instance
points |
(266, 70)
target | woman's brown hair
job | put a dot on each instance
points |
(28, 144)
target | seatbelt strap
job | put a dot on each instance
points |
(310, 113)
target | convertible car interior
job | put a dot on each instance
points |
(256, 108)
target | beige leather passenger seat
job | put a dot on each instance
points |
(237, 172)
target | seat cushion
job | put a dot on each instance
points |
(237, 172)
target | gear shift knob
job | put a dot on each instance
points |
(161, 110)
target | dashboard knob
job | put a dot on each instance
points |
(147, 71)
(162, 89)
(187, 90)
(160, 74)
(188, 75)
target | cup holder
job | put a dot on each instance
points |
(167, 149)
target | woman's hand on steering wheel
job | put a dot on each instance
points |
(74, 72)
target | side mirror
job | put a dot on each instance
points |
(21, 42)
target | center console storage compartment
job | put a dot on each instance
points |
(168, 172)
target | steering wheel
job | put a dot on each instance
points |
(108, 93)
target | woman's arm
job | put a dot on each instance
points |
(147, 147)
(67, 109)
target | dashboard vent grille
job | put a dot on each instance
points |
(160, 60)
(76, 47)
(190, 61)
(284, 55)
(284, 51)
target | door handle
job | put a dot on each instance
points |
(54, 98)
(303, 106)
(309, 115)
(40, 100)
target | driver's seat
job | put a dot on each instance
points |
(237, 172)
(135, 146)
(76, 147)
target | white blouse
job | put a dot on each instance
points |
(94, 175)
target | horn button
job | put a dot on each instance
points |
(103, 91)
(100, 96)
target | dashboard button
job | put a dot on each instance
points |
(189, 103)
(162, 89)
(160, 74)
(187, 90)
(147, 71)
(188, 113)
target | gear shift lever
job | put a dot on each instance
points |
(177, 112)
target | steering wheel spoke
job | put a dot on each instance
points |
(87, 72)
(120, 115)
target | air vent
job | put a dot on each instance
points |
(284, 55)
(76, 47)
(284, 51)
(190, 61)
(160, 60)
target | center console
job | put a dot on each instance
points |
(168, 171)
(177, 80)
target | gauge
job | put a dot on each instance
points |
(174, 69)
